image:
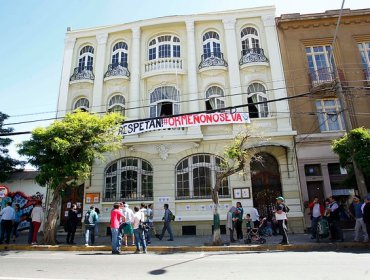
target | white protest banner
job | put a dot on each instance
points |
(183, 121)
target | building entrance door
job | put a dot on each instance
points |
(266, 184)
(69, 197)
(315, 188)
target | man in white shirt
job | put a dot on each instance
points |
(255, 216)
(129, 218)
(138, 230)
(7, 219)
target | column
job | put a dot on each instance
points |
(326, 177)
(192, 68)
(98, 103)
(277, 73)
(233, 62)
(62, 106)
(134, 94)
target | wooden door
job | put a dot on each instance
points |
(70, 196)
(315, 189)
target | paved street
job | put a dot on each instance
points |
(267, 265)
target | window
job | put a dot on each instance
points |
(214, 98)
(319, 63)
(86, 58)
(312, 170)
(196, 176)
(329, 115)
(336, 169)
(117, 104)
(164, 46)
(364, 49)
(119, 55)
(130, 179)
(250, 40)
(164, 102)
(211, 45)
(257, 93)
(82, 104)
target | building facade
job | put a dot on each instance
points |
(177, 65)
(309, 59)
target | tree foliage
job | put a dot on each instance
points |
(7, 164)
(354, 145)
(64, 151)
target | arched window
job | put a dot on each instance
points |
(164, 46)
(214, 98)
(119, 55)
(250, 39)
(257, 93)
(164, 102)
(211, 44)
(196, 176)
(117, 104)
(86, 58)
(266, 184)
(129, 179)
(82, 104)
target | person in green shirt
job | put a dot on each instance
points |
(238, 219)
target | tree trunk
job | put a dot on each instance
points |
(216, 240)
(51, 221)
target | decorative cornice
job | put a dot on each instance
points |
(362, 38)
(317, 41)
(229, 23)
(102, 38)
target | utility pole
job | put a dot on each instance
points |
(360, 179)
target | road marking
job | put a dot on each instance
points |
(37, 278)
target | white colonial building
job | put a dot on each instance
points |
(185, 64)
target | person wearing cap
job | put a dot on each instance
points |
(356, 212)
(366, 214)
(281, 217)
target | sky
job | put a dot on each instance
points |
(32, 41)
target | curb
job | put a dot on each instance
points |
(178, 249)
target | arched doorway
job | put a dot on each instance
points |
(266, 184)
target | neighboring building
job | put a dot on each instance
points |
(182, 64)
(305, 42)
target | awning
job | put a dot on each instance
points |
(343, 192)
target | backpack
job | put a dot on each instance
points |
(286, 208)
(171, 216)
(89, 219)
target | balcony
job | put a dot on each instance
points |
(253, 56)
(117, 70)
(366, 72)
(82, 74)
(321, 79)
(213, 60)
(136, 198)
(168, 65)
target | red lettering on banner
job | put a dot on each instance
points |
(216, 117)
(183, 120)
(189, 119)
(227, 117)
(222, 117)
(171, 121)
(196, 119)
(202, 118)
(236, 117)
(209, 118)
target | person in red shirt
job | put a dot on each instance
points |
(317, 210)
(116, 218)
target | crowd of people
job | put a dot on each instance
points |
(331, 211)
(11, 218)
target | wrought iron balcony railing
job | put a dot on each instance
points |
(321, 76)
(117, 69)
(82, 73)
(253, 55)
(212, 59)
(138, 198)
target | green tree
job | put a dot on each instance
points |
(355, 146)
(235, 158)
(7, 164)
(64, 152)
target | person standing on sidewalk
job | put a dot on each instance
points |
(238, 219)
(17, 220)
(116, 218)
(230, 223)
(138, 225)
(366, 214)
(167, 218)
(37, 217)
(255, 216)
(89, 220)
(281, 217)
(356, 213)
(72, 224)
(144, 210)
(7, 219)
(129, 219)
(317, 210)
(151, 220)
(334, 220)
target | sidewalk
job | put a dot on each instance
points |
(299, 242)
